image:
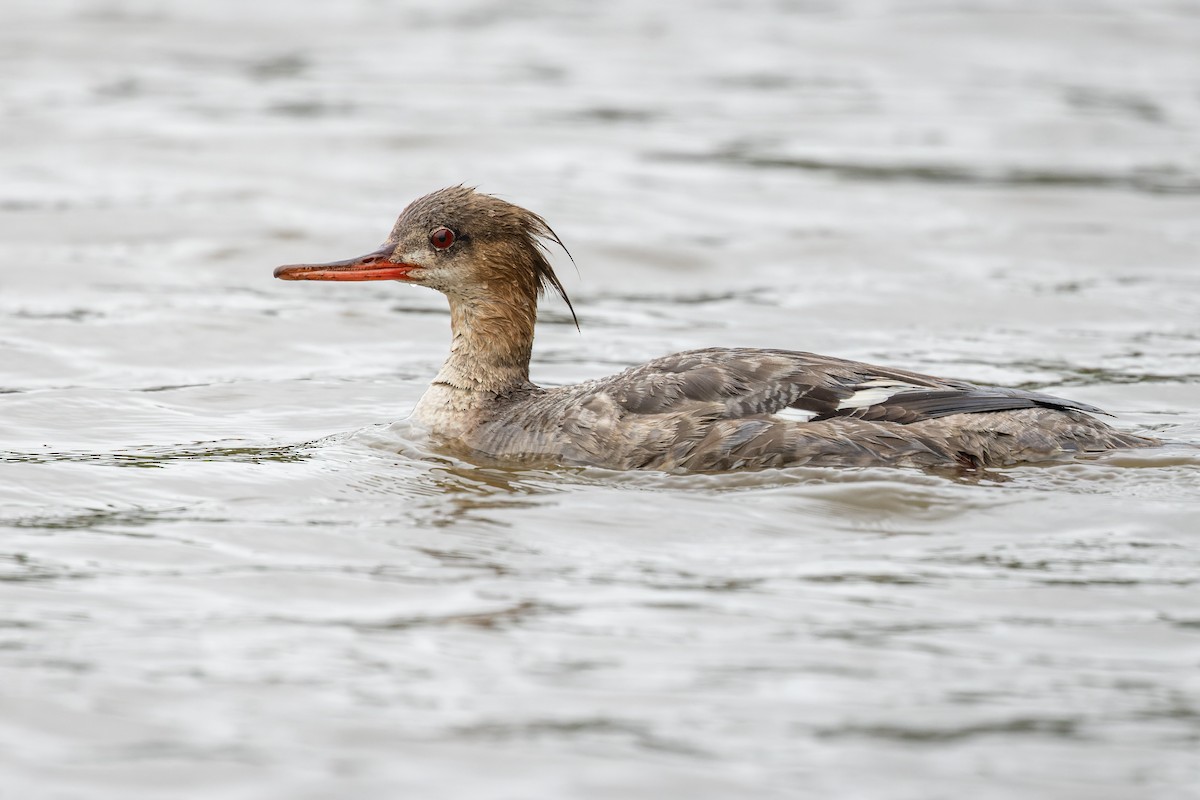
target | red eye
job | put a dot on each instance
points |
(442, 238)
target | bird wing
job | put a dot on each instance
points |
(725, 383)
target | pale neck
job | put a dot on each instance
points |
(492, 338)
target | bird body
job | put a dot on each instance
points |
(700, 410)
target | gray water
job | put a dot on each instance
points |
(226, 571)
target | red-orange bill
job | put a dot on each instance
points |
(371, 267)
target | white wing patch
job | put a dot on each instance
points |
(794, 414)
(867, 393)
(873, 393)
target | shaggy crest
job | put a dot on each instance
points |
(473, 215)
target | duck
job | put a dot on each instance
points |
(709, 410)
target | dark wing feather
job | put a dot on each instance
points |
(907, 407)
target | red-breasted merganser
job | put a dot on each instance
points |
(700, 410)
